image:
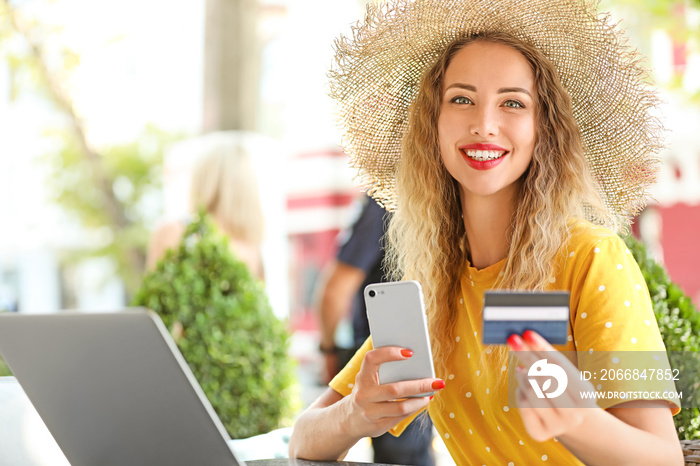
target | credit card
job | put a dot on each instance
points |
(509, 312)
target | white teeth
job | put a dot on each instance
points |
(482, 155)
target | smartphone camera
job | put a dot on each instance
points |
(372, 293)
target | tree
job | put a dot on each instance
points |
(105, 188)
(642, 17)
(231, 65)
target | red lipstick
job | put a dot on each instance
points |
(482, 146)
(485, 164)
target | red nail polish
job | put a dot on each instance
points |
(515, 342)
(406, 353)
(529, 337)
(431, 397)
(438, 385)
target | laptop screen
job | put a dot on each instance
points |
(113, 389)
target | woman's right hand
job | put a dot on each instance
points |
(372, 409)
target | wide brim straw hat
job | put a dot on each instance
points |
(378, 68)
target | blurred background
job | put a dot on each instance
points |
(100, 102)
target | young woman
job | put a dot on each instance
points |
(492, 187)
(223, 183)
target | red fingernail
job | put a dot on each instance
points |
(406, 353)
(529, 337)
(515, 342)
(438, 385)
(431, 398)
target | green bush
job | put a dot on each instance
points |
(222, 322)
(4, 370)
(679, 324)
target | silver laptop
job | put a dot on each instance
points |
(113, 389)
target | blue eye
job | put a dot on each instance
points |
(513, 104)
(461, 100)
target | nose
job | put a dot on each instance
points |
(485, 123)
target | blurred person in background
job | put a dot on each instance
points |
(225, 185)
(360, 262)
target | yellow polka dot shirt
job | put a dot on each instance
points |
(610, 311)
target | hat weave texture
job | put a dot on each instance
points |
(377, 71)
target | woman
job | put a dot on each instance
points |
(224, 184)
(492, 186)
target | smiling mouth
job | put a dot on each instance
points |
(484, 155)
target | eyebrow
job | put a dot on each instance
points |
(503, 90)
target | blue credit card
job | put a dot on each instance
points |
(509, 312)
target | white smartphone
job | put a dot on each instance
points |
(396, 315)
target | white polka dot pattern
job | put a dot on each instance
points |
(608, 297)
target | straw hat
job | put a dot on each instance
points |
(377, 71)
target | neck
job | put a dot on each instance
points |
(487, 221)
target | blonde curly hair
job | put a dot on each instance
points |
(426, 237)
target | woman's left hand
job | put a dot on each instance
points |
(554, 415)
